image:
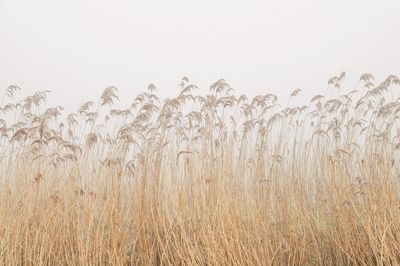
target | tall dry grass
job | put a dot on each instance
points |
(213, 179)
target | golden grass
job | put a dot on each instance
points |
(213, 179)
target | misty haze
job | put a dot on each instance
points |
(199, 132)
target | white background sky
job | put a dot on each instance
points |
(76, 48)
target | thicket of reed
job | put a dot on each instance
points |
(203, 179)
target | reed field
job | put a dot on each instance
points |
(203, 178)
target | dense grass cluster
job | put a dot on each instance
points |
(203, 179)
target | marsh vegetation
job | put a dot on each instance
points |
(214, 179)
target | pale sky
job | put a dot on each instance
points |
(76, 48)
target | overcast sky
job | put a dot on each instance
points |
(76, 48)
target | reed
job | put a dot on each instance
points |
(215, 179)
